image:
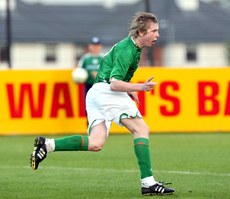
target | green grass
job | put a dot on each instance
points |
(198, 165)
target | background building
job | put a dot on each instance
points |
(192, 33)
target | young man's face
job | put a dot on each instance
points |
(151, 36)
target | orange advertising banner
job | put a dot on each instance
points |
(49, 102)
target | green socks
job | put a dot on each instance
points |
(80, 143)
(141, 147)
(72, 143)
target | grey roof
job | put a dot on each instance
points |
(77, 24)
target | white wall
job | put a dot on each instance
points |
(173, 55)
(213, 55)
(208, 55)
(27, 56)
(32, 56)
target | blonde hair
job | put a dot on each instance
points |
(140, 23)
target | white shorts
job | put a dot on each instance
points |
(102, 104)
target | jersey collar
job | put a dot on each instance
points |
(134, 42)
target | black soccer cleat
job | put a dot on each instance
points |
(39, 153)
(157, 189)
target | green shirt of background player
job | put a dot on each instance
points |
(91, 60)
(110, 100)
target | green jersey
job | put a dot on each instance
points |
(90, 63)
(120, 62)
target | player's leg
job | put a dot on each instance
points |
(97, 137)
(94, 142)
(140, 131)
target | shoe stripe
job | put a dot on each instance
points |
(42, 151)
(159, 189)
(39, 155)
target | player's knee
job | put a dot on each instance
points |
(145, 128)
(143, 131)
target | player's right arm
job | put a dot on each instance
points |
(122, 86)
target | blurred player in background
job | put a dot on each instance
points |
(90, 61)
(112, 99)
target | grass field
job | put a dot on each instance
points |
(198, 165)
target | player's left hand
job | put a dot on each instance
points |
(134, 96)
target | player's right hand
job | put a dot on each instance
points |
(148, 85)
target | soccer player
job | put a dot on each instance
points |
(111, 99)
(90, 61)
